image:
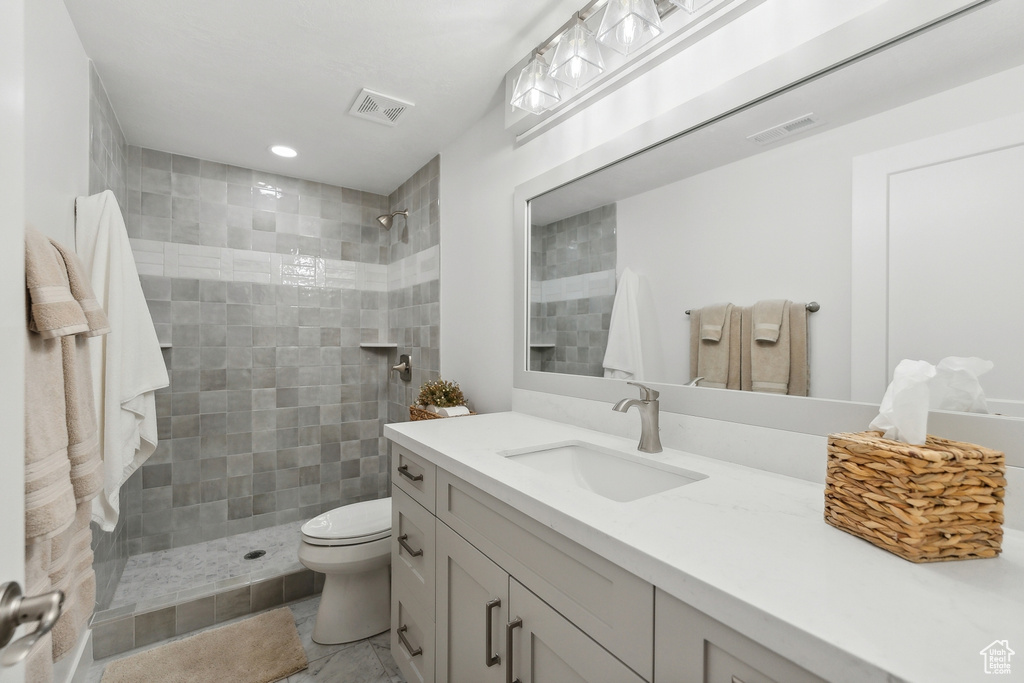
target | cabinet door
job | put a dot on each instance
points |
(468, 618)
(547, 648)
(691, 647)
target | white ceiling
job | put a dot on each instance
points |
(224, 80)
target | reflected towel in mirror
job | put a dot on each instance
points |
(623, 358)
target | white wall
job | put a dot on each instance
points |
(480, 170)
(57, 119)
(12, 303)
(778, 225)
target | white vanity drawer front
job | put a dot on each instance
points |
(608, 603)
(413, 550)
(414, 475)
(412, 637)
(691, 647)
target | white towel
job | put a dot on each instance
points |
(127, 364)
(623, 358)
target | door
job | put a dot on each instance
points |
(472, 595)
(548, 648)
(12, 301)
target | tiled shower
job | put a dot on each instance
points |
(262, 288)
(572, 289)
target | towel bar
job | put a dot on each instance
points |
(812, 307)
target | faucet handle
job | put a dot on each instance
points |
(648, 393)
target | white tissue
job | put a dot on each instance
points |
(453, 411)
(918, 386)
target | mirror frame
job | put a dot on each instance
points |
(874, 31)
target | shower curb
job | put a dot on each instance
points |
(116, 632)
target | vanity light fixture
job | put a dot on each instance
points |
(629, 24)
(690, 6)
(535, 90)
(577, 58)
(284, 151)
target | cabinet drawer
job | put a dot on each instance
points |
(413, 550)
(691, 647)
(412, 637)
(414, 475)
(605, 601)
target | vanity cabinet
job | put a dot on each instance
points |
(490, 628)
(691, 647)
(482, 593)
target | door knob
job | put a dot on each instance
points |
(16, 610)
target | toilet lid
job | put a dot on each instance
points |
(350, 524)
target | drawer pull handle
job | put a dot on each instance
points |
(404, 471)
(491, 659)
(403, 540)
(405, 641)
(509, 629)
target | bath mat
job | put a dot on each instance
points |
(261, 649)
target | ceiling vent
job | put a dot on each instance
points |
(380, 108)
(784, 130)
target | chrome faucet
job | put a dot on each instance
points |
(650, 440)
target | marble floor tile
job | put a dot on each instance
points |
(365, 661)
(149, 579)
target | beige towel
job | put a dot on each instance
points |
(767, 319)
(712, 357)
(49, 494)
(769, 361)
(62, 458)
(713, 319)
(746, 338)
(735, 347)
(799, 369)
(81, 290)
(52, 310)
(39, 663)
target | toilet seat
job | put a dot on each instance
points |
(350, 524)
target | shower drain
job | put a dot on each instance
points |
(255, 554)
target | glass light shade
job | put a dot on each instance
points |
(577, 59)
(690, 6)
(535, 90)
(628, 24)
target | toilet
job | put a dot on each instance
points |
(351, 545)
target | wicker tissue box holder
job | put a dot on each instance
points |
(931, 503)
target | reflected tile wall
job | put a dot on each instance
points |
(414, 291)
(263, 286)
(108, 160)
(572, 274)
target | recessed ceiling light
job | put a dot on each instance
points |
(282, 151)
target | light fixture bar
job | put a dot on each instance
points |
(665, 8)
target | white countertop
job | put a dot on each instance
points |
(751, 549)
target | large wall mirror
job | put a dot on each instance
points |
(887, 190)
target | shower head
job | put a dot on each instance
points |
(387, 219)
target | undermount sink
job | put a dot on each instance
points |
(616, 475)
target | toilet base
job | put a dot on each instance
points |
(354, 607)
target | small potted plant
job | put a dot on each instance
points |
(439, 398)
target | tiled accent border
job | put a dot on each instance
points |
(119, 630)
(583, 286)
(168, 259)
